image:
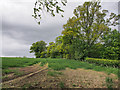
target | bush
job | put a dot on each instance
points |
(67, 56)
(103, 62)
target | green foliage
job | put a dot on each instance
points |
(112, 45)
(84, 31)
(74, 85)
(109, 82)
(55, 50)
(38, 48)
(50, 49)
(62, 85)
(103, 62)
(67, 56)
(43, 54)
(86, 34)
(51, 6)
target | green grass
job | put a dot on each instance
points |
(18, 62)
(61, 64)
(26, 86)
(3, 77)
(16, 72)
(8, 62)
(73, 85)
(109, 82)
(54, 73)
(55, 64)
(6, 71)
(61, 84)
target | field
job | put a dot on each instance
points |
(56, 73)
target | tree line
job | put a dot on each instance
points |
(86, 34)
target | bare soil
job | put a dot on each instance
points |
(71, 78)
(81, 78)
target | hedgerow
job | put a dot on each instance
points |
(103, 62)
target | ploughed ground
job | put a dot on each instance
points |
(37, 76)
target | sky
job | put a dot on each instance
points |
(18, 29)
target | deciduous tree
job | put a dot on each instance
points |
(38, 48)
(112, 45)
(89, 24)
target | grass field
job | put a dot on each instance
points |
(18, 62)
(55, 64)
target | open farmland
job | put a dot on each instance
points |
(56, 73)
(79, 48)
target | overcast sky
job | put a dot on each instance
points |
(19, 29)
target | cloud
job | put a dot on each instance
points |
(31, 34)
(20, 30)
(12, 47)
(18, 38)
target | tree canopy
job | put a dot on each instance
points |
(88, 25)
(86, 34)
(112, 45)
(51, 6)
(54, 6)
(38, 48)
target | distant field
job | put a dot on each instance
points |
(56, 64)
(18, 62)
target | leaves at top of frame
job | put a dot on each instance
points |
(51, 6)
